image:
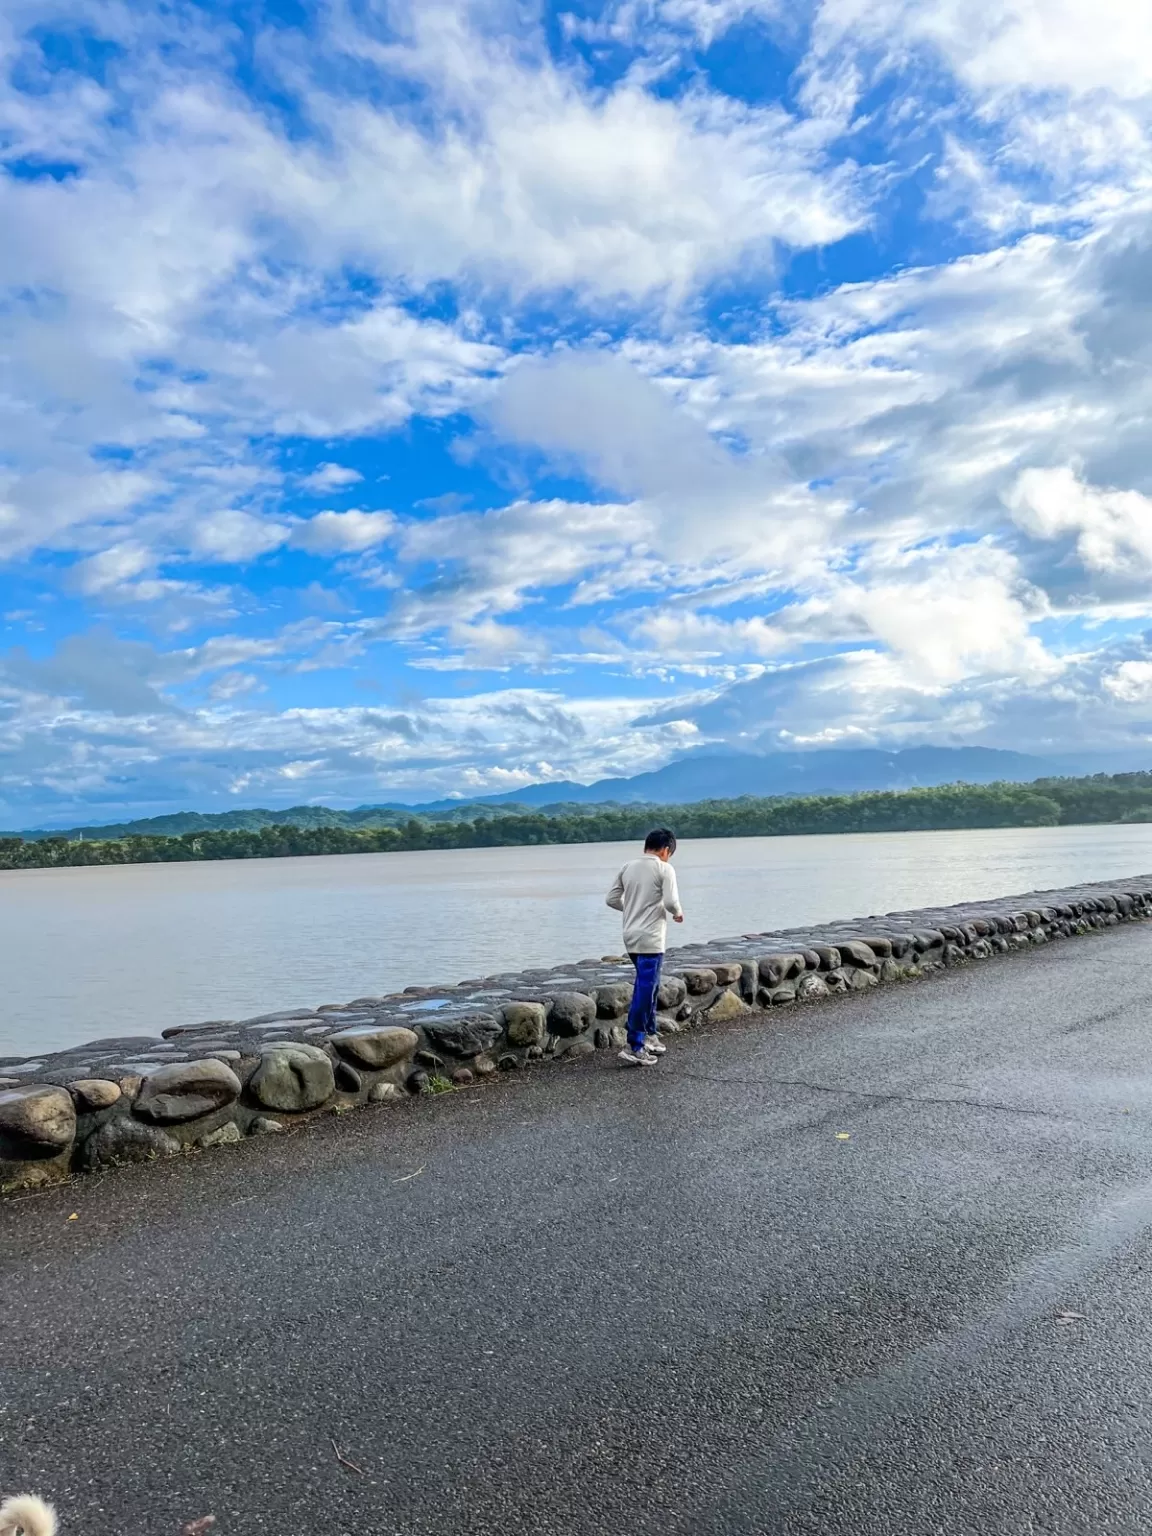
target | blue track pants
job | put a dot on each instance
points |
(642, 1013)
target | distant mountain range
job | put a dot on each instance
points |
(699, 776)
(726, 776)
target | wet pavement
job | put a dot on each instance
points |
(881, 1266)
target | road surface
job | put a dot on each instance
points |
(879, 1266)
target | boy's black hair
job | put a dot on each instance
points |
(658, 839)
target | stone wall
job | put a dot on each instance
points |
(133, 1099)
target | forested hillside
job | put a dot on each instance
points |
(1045, 803)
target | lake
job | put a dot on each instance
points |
(130, 950)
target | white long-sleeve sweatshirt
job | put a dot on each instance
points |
(645, 891)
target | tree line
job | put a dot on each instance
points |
(1044, 803)
(255, 820)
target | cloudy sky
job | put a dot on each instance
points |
(410, 398)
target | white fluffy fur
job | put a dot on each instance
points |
(25, 1512)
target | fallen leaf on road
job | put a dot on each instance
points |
(843, 1136)
(75, 1216)
(196, 1527)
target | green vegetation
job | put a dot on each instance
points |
(311, 816)
(1125, 797)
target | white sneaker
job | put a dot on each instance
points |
(655, 1046)
(641, 1058)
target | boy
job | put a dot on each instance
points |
(645, 891)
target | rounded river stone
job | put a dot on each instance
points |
(36, 1122)
(880, 946)
(126, 1141)
(811, 986)
(187, 1090)
(374, 1045)
(464, 1037)
(727, 1006)
(856, 952)
(223, 1136)
(777, 968)
(571, 1013)
(93, 1093)
(293, 1077)
(525, 1023)
(613, 1000)
(700, 981)
(671, 993)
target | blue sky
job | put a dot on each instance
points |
(403, 400)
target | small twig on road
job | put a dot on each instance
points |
(343, 1460)
(408, 1176)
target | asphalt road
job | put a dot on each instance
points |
(587, 1301)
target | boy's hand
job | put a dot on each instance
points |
(679, 919)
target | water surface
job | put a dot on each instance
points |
(130, 950)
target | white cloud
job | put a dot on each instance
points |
(679, 634)
(996, 45)
(234, 685)
(344, 532)
(483, 565)
(658, 26)
(871, 698)
(920, 399)
(112, 567)
(944, 615)
(538, 182)
(955, 614)
(863, 514)
(365, 371)
(484, 645)
(710, 19)
(96, 671)
(330, 477)
(234, 537)
(1131, 682)
(62, 496)
(1112, 529)
(198, 236)
(1052, 116)
(602, 414)
(80, 763)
